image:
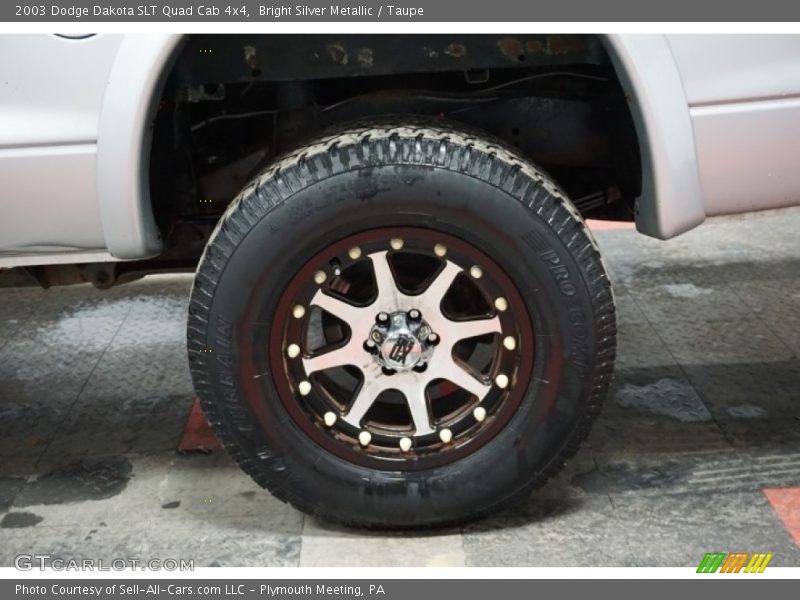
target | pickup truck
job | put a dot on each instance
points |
(399, 317)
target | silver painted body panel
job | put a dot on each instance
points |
(716, 69)
(743, 93)
(749, 155)
(51, 95)
(52, 88)
(718, 121)
(49, 199)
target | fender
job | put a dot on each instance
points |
(123, 143)
(672, 197)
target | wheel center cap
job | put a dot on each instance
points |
(401, 350)
(402, 340)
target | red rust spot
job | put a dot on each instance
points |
(534, 46)
(512, 48)
(564, 44)
(456, 50)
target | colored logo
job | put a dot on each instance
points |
(736, 562)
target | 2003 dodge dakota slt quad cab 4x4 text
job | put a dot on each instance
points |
(398, 317)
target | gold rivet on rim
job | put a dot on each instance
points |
(501, 304)
(354, 253)
(479, 413)
(405, 444)
(509, 342)
(446, 436)
(293, 350)
(320, 277)
(298, 311)
(364, 438)
(440, 250)
(396, 243)
(476, 271)
(304, 388)
(330, 418)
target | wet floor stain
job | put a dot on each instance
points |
(9, 486)
(79, 481)
(623, 477)
(18, 520)
(746, 411)
(686, 290)
(666, 397)
(173, 504)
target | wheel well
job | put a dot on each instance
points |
(232, 103)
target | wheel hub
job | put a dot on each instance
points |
(405, 341)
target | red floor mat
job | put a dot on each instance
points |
(198, 437)
(786, 503)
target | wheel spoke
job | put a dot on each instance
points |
(340, 309)
(365, 398)
(462, 330)
(418, 406)
(388, 294)
(455, 373)
(347, 355)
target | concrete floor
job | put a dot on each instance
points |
(704, 414)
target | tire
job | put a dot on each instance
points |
(382, 186)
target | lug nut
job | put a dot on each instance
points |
(293, 350)
(304, 388)
(320, 277)
(405, 444)
(364, 438)
(501, 304)
(371, 347)
(433, 339)
(479, 413)
(387, 371)
(509, 342)
(354, 253)
(440, 250)
(501, 381)
(446, 436)
(330, 418)
(382, 318)
(298, 311)
(396, 243)
(476, 272)
(414, 315)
